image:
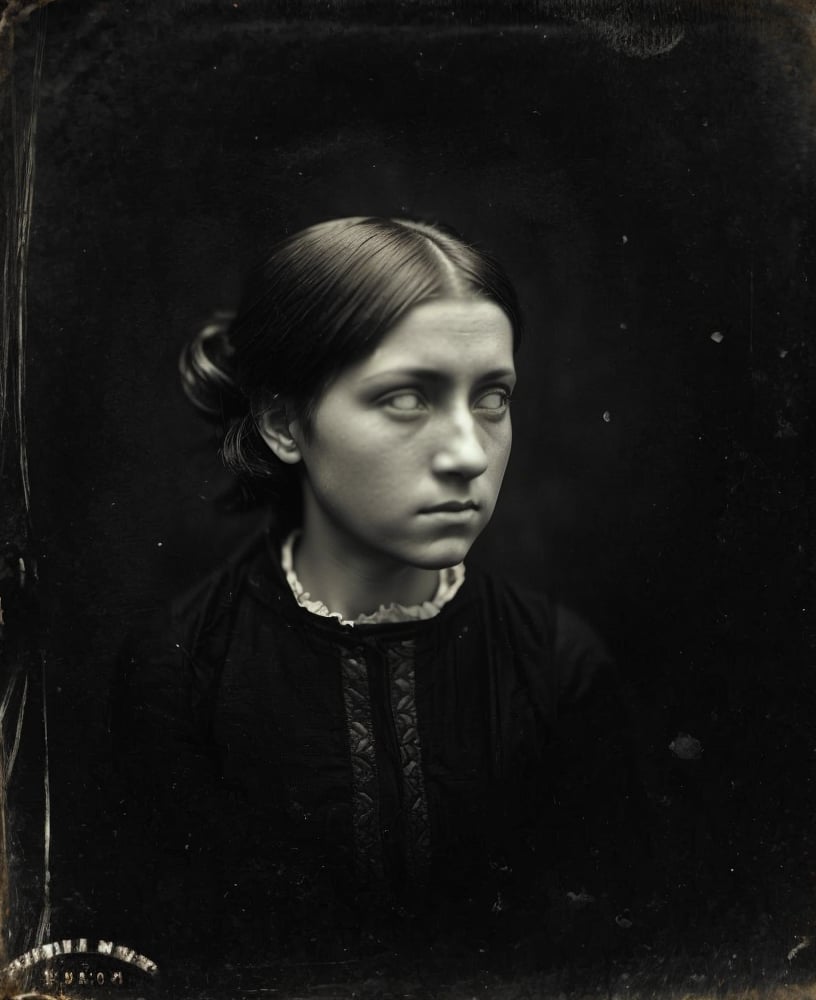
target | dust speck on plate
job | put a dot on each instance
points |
(784, 428)
(581, 898)
(686, 747)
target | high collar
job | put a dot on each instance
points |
(449, 582)
(267, 579)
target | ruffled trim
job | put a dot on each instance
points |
(450, 580)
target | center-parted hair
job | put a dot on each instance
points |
(322, 300)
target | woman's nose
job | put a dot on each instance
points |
(460, 451)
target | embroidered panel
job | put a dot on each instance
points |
(414, 800)
(357, 698)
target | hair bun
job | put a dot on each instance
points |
(207, 370)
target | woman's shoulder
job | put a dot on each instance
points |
(540, 624)
(504, 600)
(251, 571)
(190, 629)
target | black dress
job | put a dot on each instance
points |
(294, 784)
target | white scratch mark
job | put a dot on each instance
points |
(25, 161)
(9, 692)
(44, 926)
(804, 943)
(17, 734)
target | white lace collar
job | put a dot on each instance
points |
(450, 580)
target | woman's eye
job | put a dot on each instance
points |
(495, 401)
(405, 402)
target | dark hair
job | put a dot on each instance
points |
(322, 300)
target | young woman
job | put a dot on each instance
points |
(344, 738)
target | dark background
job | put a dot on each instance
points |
(648, 180)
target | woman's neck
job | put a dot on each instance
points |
(354, 583)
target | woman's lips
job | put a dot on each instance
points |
(452, 507)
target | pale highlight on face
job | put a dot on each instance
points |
(408, 447)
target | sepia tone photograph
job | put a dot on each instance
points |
(406, 500)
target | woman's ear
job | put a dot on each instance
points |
(274, 428)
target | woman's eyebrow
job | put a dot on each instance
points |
(498, 373)
(435, 375)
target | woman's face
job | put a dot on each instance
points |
(407, 448)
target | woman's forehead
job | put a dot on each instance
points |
(447, 334)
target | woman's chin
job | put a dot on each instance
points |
(443, 554)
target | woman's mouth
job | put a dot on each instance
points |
(451, 507)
